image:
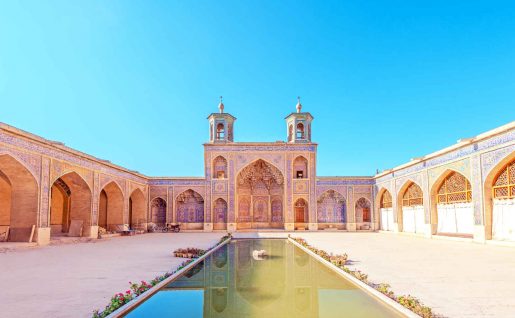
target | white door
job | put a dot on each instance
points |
(408, 219)
(503, 220)
(419, 218)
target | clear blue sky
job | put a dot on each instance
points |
(133, 81)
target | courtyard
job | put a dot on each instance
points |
(456, 279)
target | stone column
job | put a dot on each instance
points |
(477, 198)
(42, 231)
(350, 207)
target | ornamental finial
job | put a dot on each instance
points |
(299, 105)
(221, 105)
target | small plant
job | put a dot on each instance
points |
(120, 299)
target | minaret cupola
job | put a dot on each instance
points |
(298, 125)
(221, 125)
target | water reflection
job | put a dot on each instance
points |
(288, 283)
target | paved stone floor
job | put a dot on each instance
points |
(72, 280)
(456, 279)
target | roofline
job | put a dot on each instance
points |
(459, 144)
(61, 146)
(255, 143)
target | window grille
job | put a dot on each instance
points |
(504, 184)
(455, 188)
(412, 196)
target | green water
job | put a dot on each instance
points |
(289, 283)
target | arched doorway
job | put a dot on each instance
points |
(158, 212)
(260, 190)
(386, 211)
(219, 168)
(301, 212)
(18, 200)
(137, 211)
(500, 200)
(452, 209)
(300, 168)
(363, 214)
(110, 211)
(331, 209)
(412, 208)
(190, 210)
(220, 214)
(70, 206)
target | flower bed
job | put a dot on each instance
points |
(136, 289)
(339, 261)
(189, 252)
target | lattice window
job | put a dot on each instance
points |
(412, 196)
(386, 200)
(455, 188)
(504, 184)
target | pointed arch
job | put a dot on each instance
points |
(301, 213)
(363, 210)
(260, 192)
(158, 211)
(499, 200)
(452, 212)
(190, 209)
(111, 207)
(331, 209)
(19, 200)
(70, 201)
(220, 214)
(410, 208)
(137, 210)
(300, 168)
(385, 209)
(219, 168)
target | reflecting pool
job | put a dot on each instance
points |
(235, 281)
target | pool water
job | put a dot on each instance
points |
(234, 282)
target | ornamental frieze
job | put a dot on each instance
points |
(29, 161)
(220, 187)
(300, 186)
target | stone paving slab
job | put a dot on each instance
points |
(456, 279)
(72, 280)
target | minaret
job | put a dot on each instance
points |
(298, 125)
(221, 125)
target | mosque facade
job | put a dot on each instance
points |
(467, 190)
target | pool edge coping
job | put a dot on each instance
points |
(131, 305)
(373, 292)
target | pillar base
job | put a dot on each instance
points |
(428, 230)
(42, 235)
(351, 227)
(208, 227)
(231, 227)
(396, 227)
(289, 226)
(479, 234)
(313, 226)
(92, 232)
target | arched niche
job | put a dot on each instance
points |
(452, 212)
(111, 207)
(18, 200)
(260, 196)
(220, 214)
(331, 210)
(219, 168)
(300, 168)
(190, 210)
(70, 202)
(137, 210)
(411, 208)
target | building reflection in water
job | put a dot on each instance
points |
(287, 283)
